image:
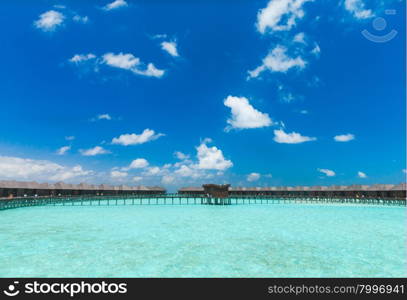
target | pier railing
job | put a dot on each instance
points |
(190, 199)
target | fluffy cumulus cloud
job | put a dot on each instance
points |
(187, 171)
(280, 15)
(151, 171)
(278, 61)
(209, 163)
(135, 139)
(17, 168)
(362, 174)
(63, 150)
(253, 177)
(170, 48)
(357, 9)
(124, 61)
(245, 115)
(97, 150)
(211, 157)
(131, 63)
(49, 20)
(344, 137)
(138, 163)
(115, 5)
(327, 172)
(291, 138)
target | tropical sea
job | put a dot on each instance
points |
(277, 240)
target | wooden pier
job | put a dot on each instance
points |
(183, 199)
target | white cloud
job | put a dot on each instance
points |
(278, 61)
(118, 174)
(63, 150)
(316, 50)
(69, 138)
(49, 20)
(151, 71)
(138, 163)
(153, 171)
(137, 178)
(300, 38)
(130, 62)
(184, 171)
(245, 115)
(29, 169)
(253, 177)
(70, 173)
(190, 171)
(357, 8)
(78, 58)
(134, 139)
(280, 15)
(209, 162)
(97, 150)
(327, 172)
(104, 117)
(362, 175)
(123, 61)
(344, 137)
(167, 179)
(291, 138)
(160, 36)
(287, 97)
(170, 47)
(80, 19)
(180, 155)
(115, 4)
(404, 171)
(211, 157)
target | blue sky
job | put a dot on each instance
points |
(280, 92)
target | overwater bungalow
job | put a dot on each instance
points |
(382, 191)
(9, 189)
(191, 191)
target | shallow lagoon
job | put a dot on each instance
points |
(280, 240)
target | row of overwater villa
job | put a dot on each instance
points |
(383, 191)
(13, 189)
(10, 189)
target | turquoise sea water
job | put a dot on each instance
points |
(204, 241)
